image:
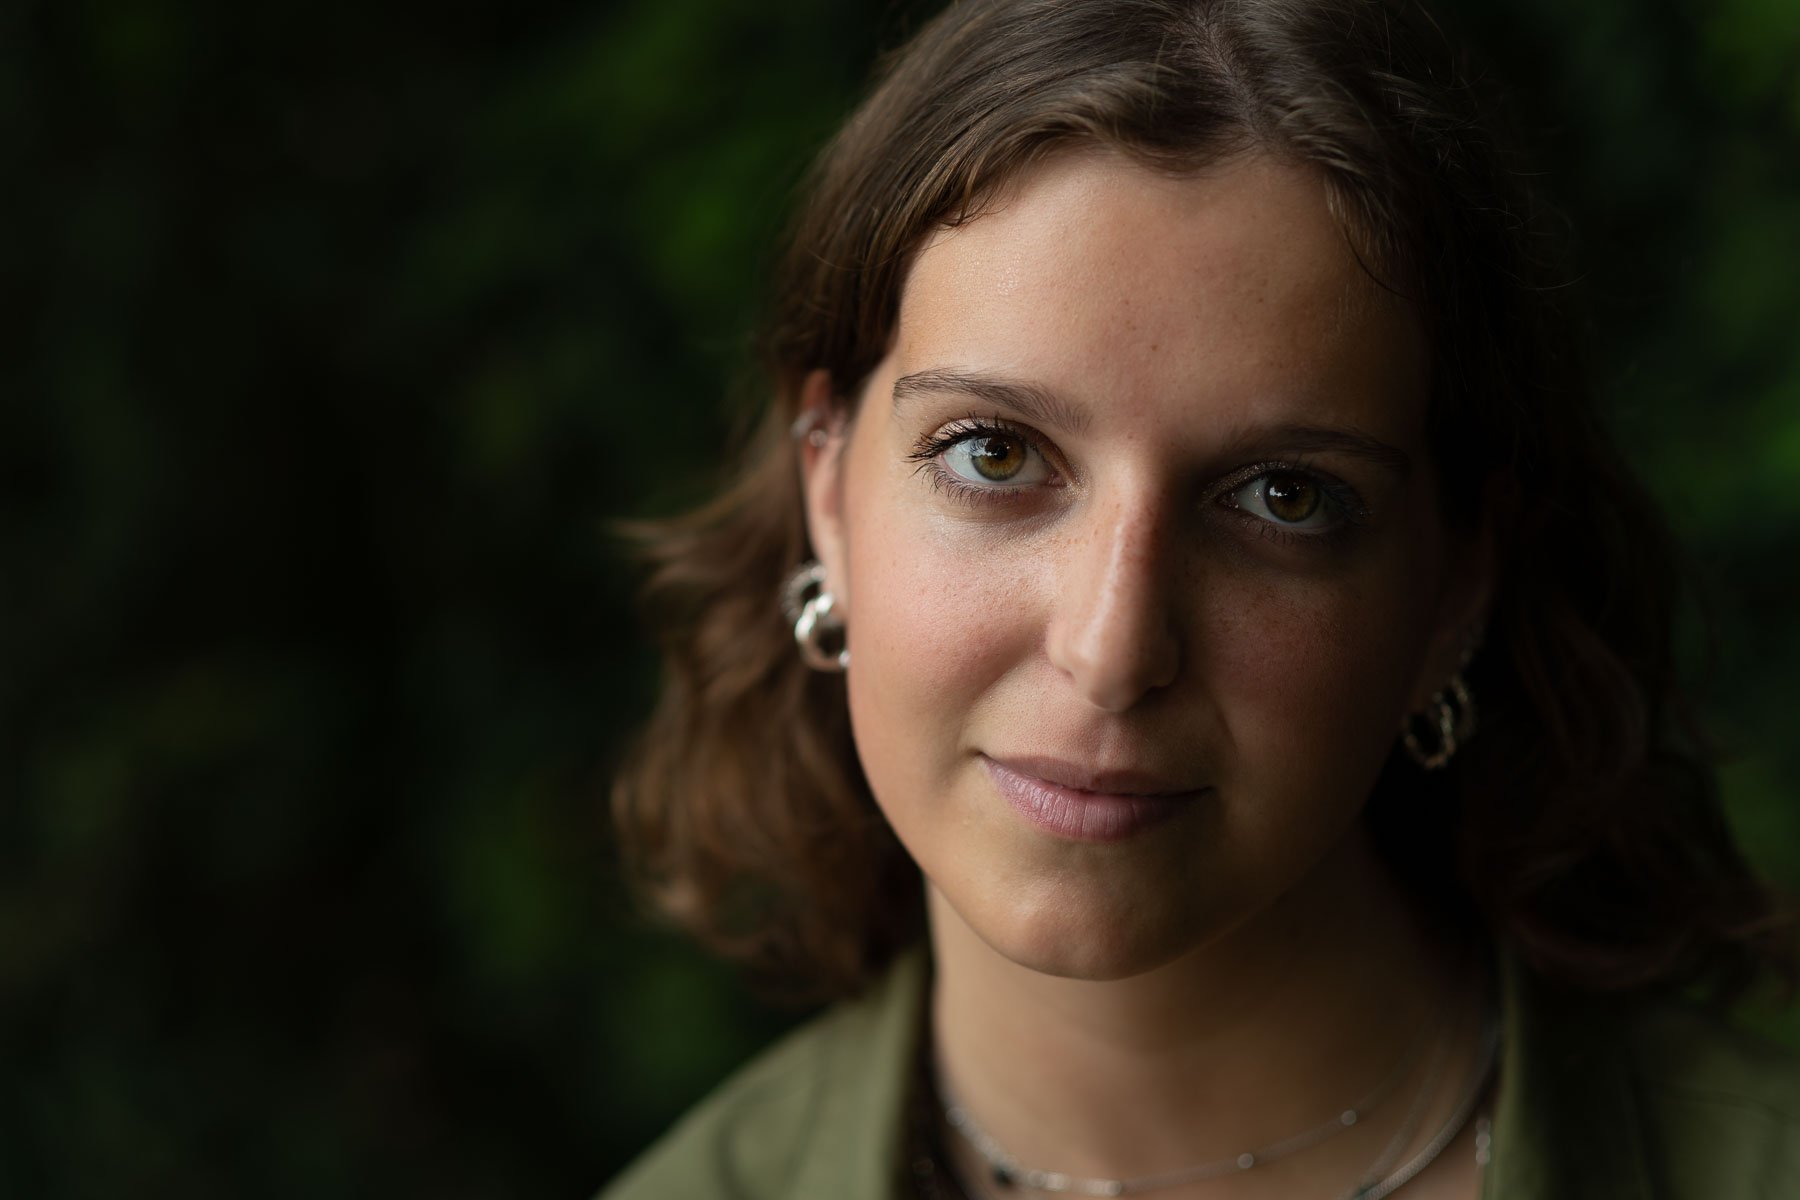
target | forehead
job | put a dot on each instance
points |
(1096, 277)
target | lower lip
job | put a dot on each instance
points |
(1083, 816)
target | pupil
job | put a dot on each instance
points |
(1290, 498)
(998, 458)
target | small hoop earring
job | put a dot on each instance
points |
(812, 609)
(1453, 723)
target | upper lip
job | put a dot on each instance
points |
(1117, 781)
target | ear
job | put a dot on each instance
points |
(823, 437)
(1461, 613)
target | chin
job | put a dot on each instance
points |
(1092, 964)
(1086, 938)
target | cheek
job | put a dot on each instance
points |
(1312, 678)
(926, 616)
(933, 625)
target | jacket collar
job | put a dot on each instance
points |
(855, 1143)
(1568, 1124)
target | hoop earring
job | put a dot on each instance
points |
(812, 610)
(1454, 724)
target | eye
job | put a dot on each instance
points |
(994, 456)
(1289, 499)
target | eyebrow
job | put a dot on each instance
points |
(1045, 407)
(1027, 400)
(1325, 439)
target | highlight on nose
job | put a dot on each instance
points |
(1111, 629)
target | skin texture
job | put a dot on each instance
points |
(1124, 598)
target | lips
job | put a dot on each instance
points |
(1086, 804)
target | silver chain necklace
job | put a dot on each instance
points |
(1008, 1174)
(1466, 1105)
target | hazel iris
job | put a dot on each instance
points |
(997, 458)
(1291, 498)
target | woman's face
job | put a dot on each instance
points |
(1140, 557)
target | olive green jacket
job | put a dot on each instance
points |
(1595, 1104)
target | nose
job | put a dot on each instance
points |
(1112, 629)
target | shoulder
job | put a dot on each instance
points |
(1721, 1105)
(814, 1115)
(1638, 1099)
(740, 1140)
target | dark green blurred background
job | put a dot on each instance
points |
(336, 336)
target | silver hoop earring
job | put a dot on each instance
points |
(816, 624)
(1452, 717)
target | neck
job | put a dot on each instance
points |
(1241, 1043)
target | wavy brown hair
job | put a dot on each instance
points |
(1581, 826)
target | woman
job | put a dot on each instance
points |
(1224, 639)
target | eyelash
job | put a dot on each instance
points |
(927, 451)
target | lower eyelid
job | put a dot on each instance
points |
(949, 483)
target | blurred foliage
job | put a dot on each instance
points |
(338, 333)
